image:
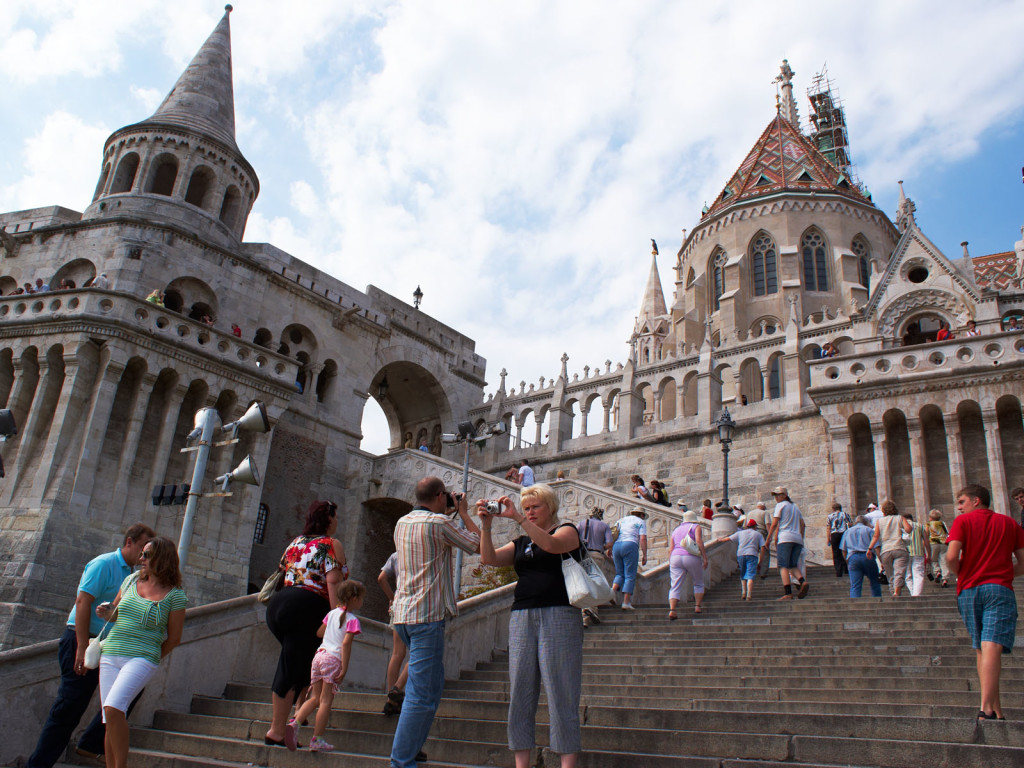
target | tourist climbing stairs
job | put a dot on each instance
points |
(824, 681)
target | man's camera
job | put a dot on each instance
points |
(453, 499)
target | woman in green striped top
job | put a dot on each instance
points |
(150, 615)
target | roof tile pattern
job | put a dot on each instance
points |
(783, 159)
(997, 270)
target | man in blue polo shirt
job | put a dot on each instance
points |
(100, 582)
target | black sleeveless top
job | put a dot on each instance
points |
(541, 584)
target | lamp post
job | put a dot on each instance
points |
(417, 297)
(725, 426)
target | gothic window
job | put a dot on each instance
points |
(163, 175)
(765, 264)
(260, 533)
(718, 260)
(231, 206)
(199, 187)
(124, 176)
(775, 378)
(813, 249)
(859, 246)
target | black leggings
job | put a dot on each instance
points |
(294, 616)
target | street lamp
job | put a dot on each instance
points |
(382, 389)
(725, 426)
(417, 297)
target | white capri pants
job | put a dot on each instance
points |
(121, 679)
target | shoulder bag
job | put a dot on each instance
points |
(273, 583)
(94, 649)
(689, 541)
(585, 584)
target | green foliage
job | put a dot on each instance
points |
(489, 577)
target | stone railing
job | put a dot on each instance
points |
(933, 359)
(114, 308)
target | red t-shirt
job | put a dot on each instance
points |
(708, 513)
(988, 542)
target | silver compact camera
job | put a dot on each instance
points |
(492, 508)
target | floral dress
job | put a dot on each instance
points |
(307, 561)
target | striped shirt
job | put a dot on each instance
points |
(141, 625)
(423, 542)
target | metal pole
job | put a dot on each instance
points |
(210, 420)
(725, 475)
(465, 490)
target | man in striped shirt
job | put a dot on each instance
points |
(424, 599)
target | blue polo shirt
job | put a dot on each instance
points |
(856, 539)
(102, 579)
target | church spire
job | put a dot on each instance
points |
(653, 304)
(787, 104)
(203, 99)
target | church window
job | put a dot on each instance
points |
(260, 532)
(775, 378)
(812, 247)
(124, 176)
(690, 277)
(765, 264)
(717, 277)
(199, 187)
(859, 246)
(163, 176)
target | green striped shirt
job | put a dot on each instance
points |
(141, 625)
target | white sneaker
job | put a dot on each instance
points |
(628, 607)
(316, 744)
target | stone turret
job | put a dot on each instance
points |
(182, 166)
(651, 326)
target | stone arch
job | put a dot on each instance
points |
(690, 277)
(124, 176)
(573, 408)
(764, 326)
(862, 252)
(230, 207)
(611, 402)
(544, 424)
(1011, 435)
(263, 337)
(163, 175)
(896, 316)
(299, 339)
(897, 442)
(669, 396)
(864, 480)
(810, 352)
(1011, 320)
(8, 285)
(200, 187)
(415, 400)
(645, 392)
(844, 344)
(192, 297)
(102, 182)
(325, 380)
(726, 374)
(776, 379)
(79, 272)
(973, 445)
(716, 277)
(690, 401)
(751, 381)
(936, 458)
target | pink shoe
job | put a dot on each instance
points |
(316, 744)
(290, 735)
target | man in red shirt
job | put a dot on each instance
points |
(982, 545)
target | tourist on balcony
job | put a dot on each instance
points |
(982, 548)
(943, 334)
(513, 474)
(313, 565)
(41, 287)
(545, 632)
(972, 329)
(102, 282)
(150, 616)
(787, 529)
(937, 534)
(630, 547)
(889, 530)
(682, 563)
(918, 551)
(156, 297)
(640, 489)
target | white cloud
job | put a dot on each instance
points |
(64, 155)
(149, 98)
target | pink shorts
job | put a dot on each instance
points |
(327, 667)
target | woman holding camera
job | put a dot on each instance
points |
(545, 631)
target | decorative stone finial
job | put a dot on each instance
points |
(228, 8)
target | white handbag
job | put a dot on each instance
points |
(689, 542)
(584, 582)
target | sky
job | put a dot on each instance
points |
(515, 159)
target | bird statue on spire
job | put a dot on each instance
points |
(654, 247)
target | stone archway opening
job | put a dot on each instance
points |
(377, 541)
(412, 402)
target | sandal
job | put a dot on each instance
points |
(393, 706)
(672, 616)
(696, 609)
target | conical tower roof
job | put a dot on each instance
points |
(203, 99)
(653, 303)
(783, 160)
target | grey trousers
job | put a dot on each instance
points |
(545, 645)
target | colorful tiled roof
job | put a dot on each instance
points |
(997, 270)
(783, 159)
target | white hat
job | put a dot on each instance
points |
(872, 505)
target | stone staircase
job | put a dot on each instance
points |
(826, 681)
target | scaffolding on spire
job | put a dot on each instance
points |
(828, 121)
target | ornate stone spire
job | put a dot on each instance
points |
(203, 99)
(904, 211)
(787, 104)
(653, 303)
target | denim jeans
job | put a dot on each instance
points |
(862, 566)
(72, 700)
(627, 556)
(422, 692)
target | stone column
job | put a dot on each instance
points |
(583, 422)
(955, 451)
(996, 469)
(882, 487)
(540, 425)
(656, 415)
(766, 392)
(138, 408)
(95, 432)
(27, 430)
(844, 469)
(919, 470)
(607, 418)
(519, 435)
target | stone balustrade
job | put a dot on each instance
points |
(113, 308)
(932, 359)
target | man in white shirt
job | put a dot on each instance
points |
(526, 474)
(788, 531)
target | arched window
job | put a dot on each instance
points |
(102, 182)
(812, 246)
(163, 175)
(859, 246)
(124, 177)
(231, 205)
(718, 259)
(199, 187)
(765, 264)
